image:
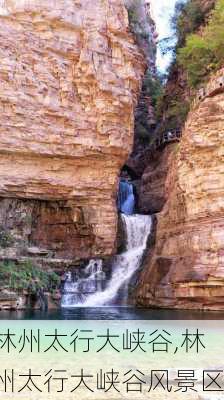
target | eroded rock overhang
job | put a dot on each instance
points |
(70, 76)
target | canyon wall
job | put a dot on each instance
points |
(185, 269)
(144, 29)
(70, 76)
(151, 196)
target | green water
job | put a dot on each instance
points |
(111, 313)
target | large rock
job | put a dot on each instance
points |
(70, 75)
(144, 27)
(152, 188)
(186, 269)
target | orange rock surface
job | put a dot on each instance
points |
(70, 74)
(186, 267)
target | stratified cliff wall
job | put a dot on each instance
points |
(186, 267)
(143, 26)
(70, 75)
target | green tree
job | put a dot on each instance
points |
(204, 53)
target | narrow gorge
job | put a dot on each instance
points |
(111, 177)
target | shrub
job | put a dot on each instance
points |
(26, 276)
(152, 87)
(187, 19)
(203, 54)
(195, 57)
(134, 21)
(132, 16)
(177, 113)
(6, 239)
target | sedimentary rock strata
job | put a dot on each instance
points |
(186, 269)
(70, 74)
(152, 187)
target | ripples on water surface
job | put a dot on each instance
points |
(111, 313)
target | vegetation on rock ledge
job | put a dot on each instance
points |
(134, 21)
(26, 276)
(204, 51)
(187, 19)
(197, 51)
(6, 239)
(152, 89)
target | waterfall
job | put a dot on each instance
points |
(92, 290)
(126, 199)
(80, 285)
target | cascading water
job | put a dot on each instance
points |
(89, 287)
(126, 198)
(89, 290)
(80, 285)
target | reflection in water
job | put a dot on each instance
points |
(111, 313)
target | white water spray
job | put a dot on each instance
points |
(88, 291)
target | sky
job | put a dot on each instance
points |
(162, 12)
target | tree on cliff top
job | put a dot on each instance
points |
(204, 51)
(187, 19)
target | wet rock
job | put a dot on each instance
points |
(121, 236)
(11, 301)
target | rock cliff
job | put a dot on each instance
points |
(186, 267)
(70, 76)
(152, 186)
(144, 29)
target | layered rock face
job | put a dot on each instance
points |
(70, 75)
(152, 187)
(144, 29)
(186, 267)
